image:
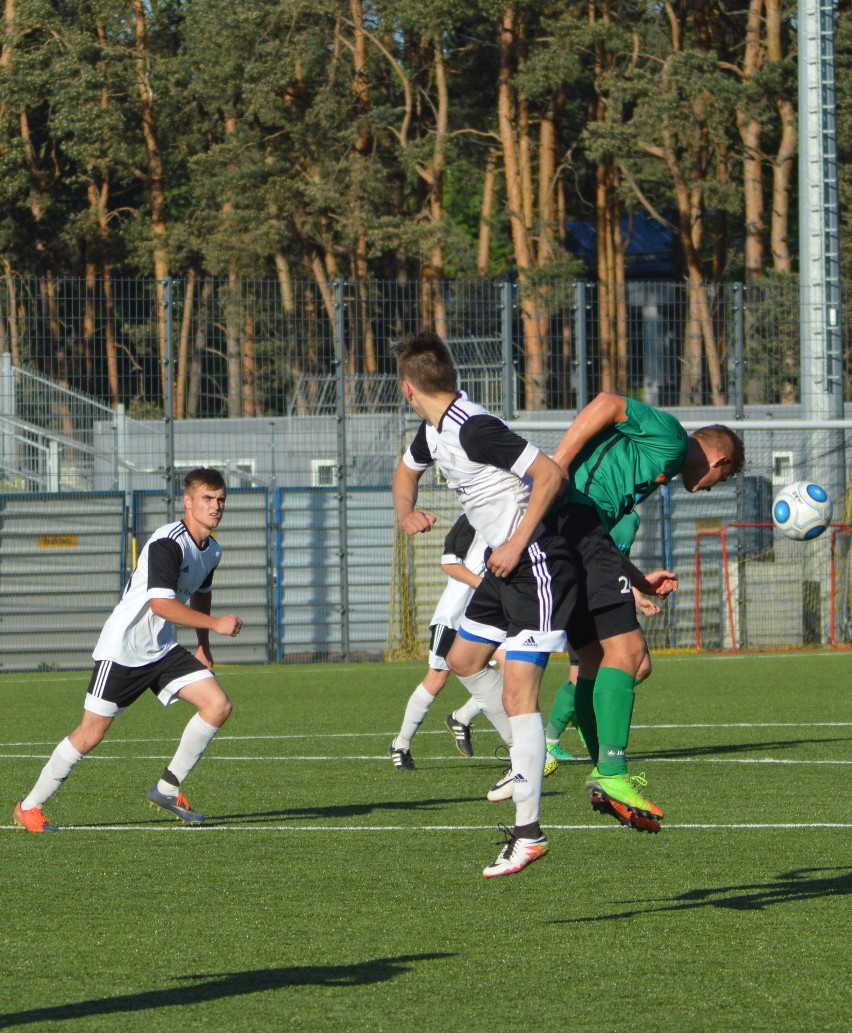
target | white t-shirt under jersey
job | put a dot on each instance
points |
(171, 566)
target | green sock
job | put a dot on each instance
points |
(562, 710)
(584, 710)
(613, 699)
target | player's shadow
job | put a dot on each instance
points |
(788, 888)
(204, 987)
(347, 810)
(723, 749)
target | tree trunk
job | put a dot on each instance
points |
(750, 133)
(155, 179)
(183, 345)
(784, 161)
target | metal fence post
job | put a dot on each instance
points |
(506, 307)
(169, 399)
(581, 349)
(342, 461)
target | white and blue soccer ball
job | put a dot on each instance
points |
(802, 511)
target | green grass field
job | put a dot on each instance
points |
(329, 892)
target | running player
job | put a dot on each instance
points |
(506, 485)
(137, 650)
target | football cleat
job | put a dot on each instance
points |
(516, 855)
(176, 805)
(461, 734)
(618, 796)
(555, 750)
(402, 759)
(33, 820)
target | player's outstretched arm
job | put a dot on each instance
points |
(604, 410)
(459, 572)
(411, 520)
(659, 583)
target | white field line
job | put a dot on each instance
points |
(322, 669)
(383, 757)
(442, 731)
(201, 829)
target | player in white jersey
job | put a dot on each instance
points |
(138, 650)
(463, 561)
(523, 603)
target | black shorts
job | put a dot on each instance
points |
(440, 639)
(605, 606)
(528, 610)
(113, 687)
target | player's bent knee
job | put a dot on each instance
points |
(644, 671)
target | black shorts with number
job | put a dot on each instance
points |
(604, 604)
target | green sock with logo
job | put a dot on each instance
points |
(613, 701)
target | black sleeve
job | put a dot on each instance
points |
(459, 537)
(488, 440)
(419, 448)
(164, 559)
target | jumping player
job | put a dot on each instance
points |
(505, 485)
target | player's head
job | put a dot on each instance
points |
(425, 364)
(203, 477)
(204, 492)
(715, 453)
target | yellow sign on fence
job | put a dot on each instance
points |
(57, 541)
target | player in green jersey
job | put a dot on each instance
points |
(616, 452)
(562, 711)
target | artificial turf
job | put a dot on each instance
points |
(328, 891)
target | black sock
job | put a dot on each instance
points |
(531, 831)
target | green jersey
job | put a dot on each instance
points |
(624, 532)
(626, 462)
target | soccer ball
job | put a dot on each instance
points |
(802, 511)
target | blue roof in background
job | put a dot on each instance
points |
(650, 251)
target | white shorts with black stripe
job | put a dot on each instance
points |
(114, 687)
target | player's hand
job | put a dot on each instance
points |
(229, 625)
(504, 559)
(204, 655)
(662, 582)
(646, 605)
(418, 522)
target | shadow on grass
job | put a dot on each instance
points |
(733, 748)
(343, 810)
(215, 987)
(788, 888)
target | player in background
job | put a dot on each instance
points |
(562, 710)
(506, 486)
(616, 452)
(463, 562)
(137, 650)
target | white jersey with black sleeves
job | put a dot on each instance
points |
(171, 566)
(483, 461)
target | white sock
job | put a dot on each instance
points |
(527, 756)
(196, 737)
(486, 687)
(417, 708)
(469, 712)
(62, 762)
